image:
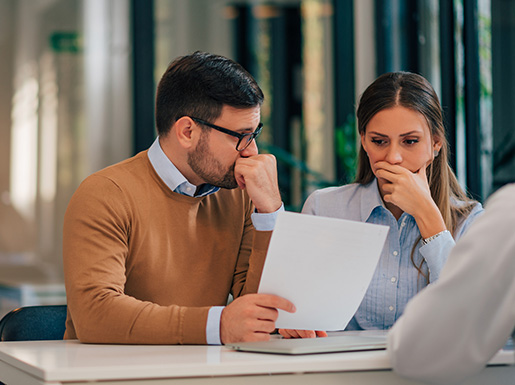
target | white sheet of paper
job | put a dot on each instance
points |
(322, 265)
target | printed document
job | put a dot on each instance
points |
(323, 265)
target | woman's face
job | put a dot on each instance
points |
(399, 136)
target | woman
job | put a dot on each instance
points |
(403, 181)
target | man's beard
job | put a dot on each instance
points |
(207, 167)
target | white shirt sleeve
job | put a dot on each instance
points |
(213, 325)
(452, 328)
(265, 221)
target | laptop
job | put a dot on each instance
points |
(330, 344)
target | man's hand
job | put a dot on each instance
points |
(252, 317)
(294, 333)
(258, 174)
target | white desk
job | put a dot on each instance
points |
(70, 362)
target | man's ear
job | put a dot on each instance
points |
(185, 131)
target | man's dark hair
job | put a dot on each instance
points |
(199, 85)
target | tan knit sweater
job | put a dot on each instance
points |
(143, 264)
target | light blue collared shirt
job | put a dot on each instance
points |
(395, 280)
(176, 182)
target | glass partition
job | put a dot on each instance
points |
(64, 113)
(287, 46)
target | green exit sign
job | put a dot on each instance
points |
(69, 42)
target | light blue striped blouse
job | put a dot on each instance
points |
(395, 279)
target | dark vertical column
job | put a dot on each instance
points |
(503, 103)
(142, 14)
(344, 85)
(410, 58)
(284, 26)
(383, 35)
(397, 31)
(448, 71)
(281, 74)
(472, 89)
(242, 36)
(285, 65)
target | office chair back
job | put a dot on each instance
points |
(31, 323)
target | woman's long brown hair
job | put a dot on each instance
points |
(413, 91)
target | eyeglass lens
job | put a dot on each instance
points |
(244, 142)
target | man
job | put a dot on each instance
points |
(154, 245)
(450, 330)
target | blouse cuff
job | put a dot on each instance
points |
(436, 252)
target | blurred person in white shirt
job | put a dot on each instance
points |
(452, 328)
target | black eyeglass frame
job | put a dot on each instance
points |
(250, 135)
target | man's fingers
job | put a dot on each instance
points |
(258, 175)
(298, 333)
(266, 160)
(264, 326)
(267, 313)
(307, 333)
(288, 333)
(251, 317)
(274, 301)
(239, 179)
(259, 337)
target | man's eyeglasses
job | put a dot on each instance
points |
(244, 140)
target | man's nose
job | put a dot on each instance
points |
(251, 150)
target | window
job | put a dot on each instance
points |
(461, 47)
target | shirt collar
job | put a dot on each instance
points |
(172, 176)
(370, 200)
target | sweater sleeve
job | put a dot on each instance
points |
(251, 259)
(96, 234)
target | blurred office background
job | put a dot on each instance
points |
(78, 79)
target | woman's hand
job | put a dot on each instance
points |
(295, 333)
(405, 189)
(410, 192)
